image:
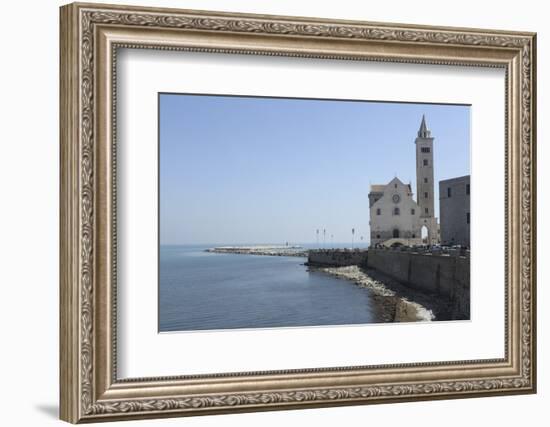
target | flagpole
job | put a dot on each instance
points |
(317, 239)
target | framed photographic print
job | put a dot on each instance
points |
(265, 212)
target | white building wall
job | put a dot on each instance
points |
(384, 220)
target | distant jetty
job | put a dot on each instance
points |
(265, 250)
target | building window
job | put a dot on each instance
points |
(378, 236)
(414, 236)
(468, 189)
(425, 195)
(426, 210)
(425, 149)
(412, 211)
(378, 212)
(425, 180)
(467, 217)
(396, 211)
(395, 233)
(395, 185)
(425, 162)
(449, 192)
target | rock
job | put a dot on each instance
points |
(395, 308)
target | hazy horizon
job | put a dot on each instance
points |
(247, 170)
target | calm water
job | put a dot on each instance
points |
(201, 290)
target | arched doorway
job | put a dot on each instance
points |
(424, 234)
(395, 233)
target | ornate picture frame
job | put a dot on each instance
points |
(90, 37)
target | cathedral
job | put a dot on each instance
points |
(395, 217)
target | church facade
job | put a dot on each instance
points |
(395, 216)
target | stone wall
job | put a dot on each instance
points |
(337, 257)
(444, 275)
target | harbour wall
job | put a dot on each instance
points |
(445, 275)
(337, 257)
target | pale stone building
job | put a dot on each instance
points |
(395, 217)
(394, 214)
(454, 209)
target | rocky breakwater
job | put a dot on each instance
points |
(283, 250)
(395, 300)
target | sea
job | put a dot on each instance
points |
(201, 291)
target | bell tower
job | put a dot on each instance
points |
(425, 179)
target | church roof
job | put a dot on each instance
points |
(377, 188)
(380, 188)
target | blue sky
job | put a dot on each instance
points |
(272, 170)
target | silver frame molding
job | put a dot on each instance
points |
(90, 37)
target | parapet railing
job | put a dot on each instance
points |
(423, 250)
(428, 250)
